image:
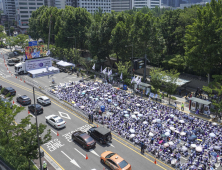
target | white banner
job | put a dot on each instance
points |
(38, 63)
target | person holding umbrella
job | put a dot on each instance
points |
(142, 147)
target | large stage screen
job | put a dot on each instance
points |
(35, 51)
(38, 63)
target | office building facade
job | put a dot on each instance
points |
(121, 5)
(9, 9)
(146, 3)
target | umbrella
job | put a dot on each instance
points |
(83, 92)
(214, 123)
(125, 111)
(171, 115)
(193, 145)
(181, 121)
(73, 102)
(171, 143)
(174, 161)
(101, 98)
(168, 130)
(154, 121)
(217, 147)
(138, 105)
(191, 138)
(133, 116)
(199, 149)
(177, 131)
(184, 148)
(151, 134)
(163, 135)
(140, 115)
(166, 145)
(167, 134)
(132, 135)
(183, 133)
(82, 107)
(159, 125)
(129, 110)
(135, 113)
(158, 120)
(126, 115)
(172, 128)
(214, 154)
(132, 131)
(212, 135)
(145, 122)
(160, 142)
(171, 122)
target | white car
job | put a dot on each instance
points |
(43, 100)
(56, 121)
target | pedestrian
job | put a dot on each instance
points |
(89, 117)
(182, 106)
(44, 165)
(175, 105)
(160, 98)
(142, 147)
(186, 94)
(92, 118)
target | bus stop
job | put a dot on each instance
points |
(199, 104)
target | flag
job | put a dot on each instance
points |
(136, 79)
(121, 76)
(104, 71)
(101, 70)
(138, 82)
(110, 72)
(48, 53)
(132, 80)
(94, 66)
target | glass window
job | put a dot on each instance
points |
(23, 11)
(31, 3)
(39, 3)
(30, 11)
(32, 7)
(123, 164)
(22, 3)
(23, 7)
(24, 16)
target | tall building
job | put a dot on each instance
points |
(9, 9)
(60, 4)
(91, 5)
(121, 5)
(24, 10)
(144, 3)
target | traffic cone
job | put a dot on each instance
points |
(13, 102)
(20, 106)
(24, 81)
(97, 126)
(87, 157)
(104, 168)
(7, 68)
(155, 161)
(28, 112)
(57, 133)
(16, 77)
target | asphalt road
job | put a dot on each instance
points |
(67, 154)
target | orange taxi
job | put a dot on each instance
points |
(114, 161)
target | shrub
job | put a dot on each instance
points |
(127, 82)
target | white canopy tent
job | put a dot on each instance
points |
(65, 64)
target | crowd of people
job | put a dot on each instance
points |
(166, 132)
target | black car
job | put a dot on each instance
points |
(101, 134)
(86, 141)
(9, 90)
(24, 100)
(6, 101)
(39, 108)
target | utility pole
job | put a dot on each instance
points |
(37, 129)
(49, 32)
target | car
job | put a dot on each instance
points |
(39, 108)
(43, 100)
(15, 53)
(24, 100)
(6, 101)
(114, 161)
(86, 141)
(56, 121)
(9, 90)
(101, 134)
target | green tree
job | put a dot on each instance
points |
(124, 69)
(22, 40)
(211, 89)
(169, 80)
(203, 39)
(10, 41)
(157, 75)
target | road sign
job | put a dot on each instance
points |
(33, 43)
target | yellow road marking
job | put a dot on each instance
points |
(69, 110)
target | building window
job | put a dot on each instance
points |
(32, 7)
(23, 7)
(30, 11)
(22, 3)
(23, 12)
(39, 3)
(31, 3)
(24, 16)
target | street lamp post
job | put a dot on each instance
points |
(37, 129)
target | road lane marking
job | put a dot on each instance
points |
(53, 131)
(71, 160)
(94, 152)
(65, 115)
(85, 120)
(111, 145)
(80, 153)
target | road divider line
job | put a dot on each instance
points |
(80, 153)
(70, 111)
(71, 160)
(94, 152)
(53, 132)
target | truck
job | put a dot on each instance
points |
(20, 68)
